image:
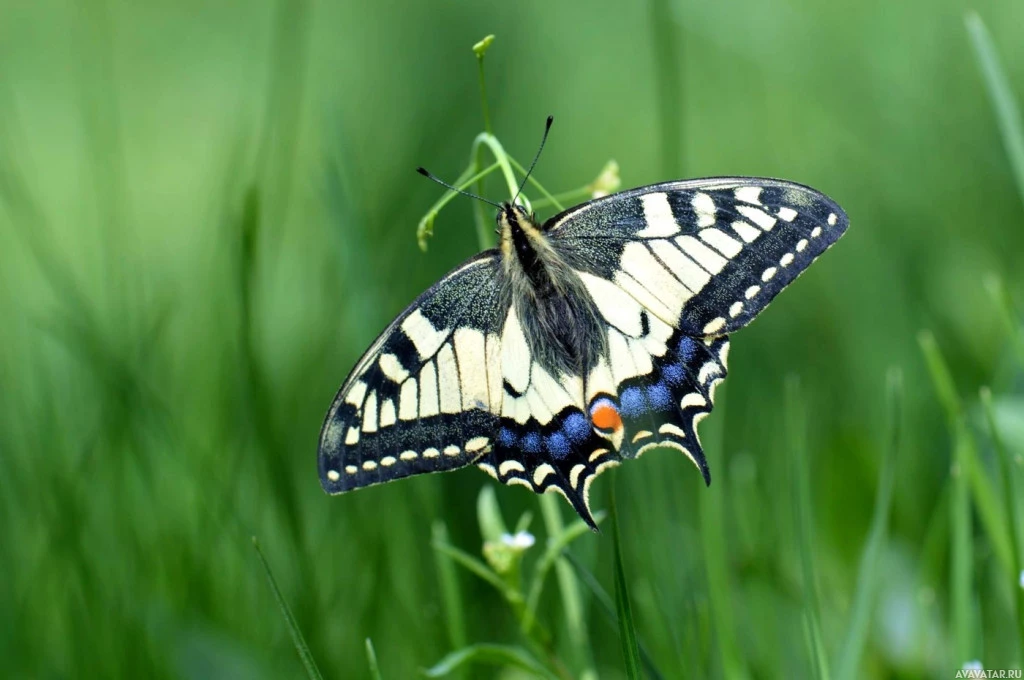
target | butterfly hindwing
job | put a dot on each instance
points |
(705, 256)
(426, 396)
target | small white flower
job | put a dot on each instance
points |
(522, 540)
(974, 665)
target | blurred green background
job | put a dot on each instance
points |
(208, 211)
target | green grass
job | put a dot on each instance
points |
(208, 211)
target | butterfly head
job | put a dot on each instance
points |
(519, 232)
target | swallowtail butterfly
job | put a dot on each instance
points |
(576, 343)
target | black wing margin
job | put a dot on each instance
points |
(425, 396)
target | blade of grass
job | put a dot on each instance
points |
(607, 606)
(552, 552)
(968, 463)
(371, 660)
(500, 655)
(869, 573)
(627, 627)
(712, 533)
(796, 438)
(1005, 105)
(571, 603)
(1010, 492)
(451, 595)
(961, 571)
(667, 66)
(293, 628)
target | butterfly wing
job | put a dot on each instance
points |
(673, 268)
(426, 396)
(705, 256)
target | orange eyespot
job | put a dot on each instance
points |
(605, 416)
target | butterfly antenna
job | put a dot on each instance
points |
(547, 128)
(429, 175)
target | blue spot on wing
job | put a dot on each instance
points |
(531, 442)
(631, 402)
(506, 437)
(675, 374)
(659, 395)
(576, 427)
(558, 445)
(687, 346)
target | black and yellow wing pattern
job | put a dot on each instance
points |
(651, 280)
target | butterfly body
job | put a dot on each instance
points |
(577, 343)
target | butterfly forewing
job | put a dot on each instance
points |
(425, 396)
(705, 256)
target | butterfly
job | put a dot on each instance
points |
(576, 343)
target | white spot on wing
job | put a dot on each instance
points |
(787, 214)
(752, 291)
(816, 232)
(714, 326)
(392, 368)
(669, 428)
(684, 269)
(638, 261)
(515, 353)
(351, 469)
(387, 461)
(692, 399)
(408, 401)
(786, 259)
(408, 455)
(832, 219)
(615, 305)
(333, 475)
(509, 466)
(768, 274)
(352, 436)
(541, 473)
(704, 256)
(477, 444)
(747, 232)
(387, 413)
(735, 309)
(658, 216)
(469, 348)
(620, 358)
(757, 216)
(370, 413)
(801, 245)
(451, 450)
(704, 208)
(369, 465)
(725, 244)
(423, 335)
(428, 391)
(748, 194)
(448, 380)
(574, 474)
(356, 393)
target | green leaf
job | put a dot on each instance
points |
(869, 574)
(497, 655)
(492, 526)
(293, 628)
(371, 659)
(1010, 493)
(1007, 111)
(627, 627)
